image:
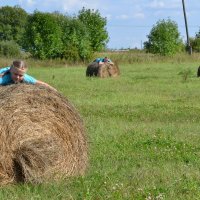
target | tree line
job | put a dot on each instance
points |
(75, 38)
(52, 35)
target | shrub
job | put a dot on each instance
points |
(9, 49)
(164, 39)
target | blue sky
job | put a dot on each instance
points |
(128, 21)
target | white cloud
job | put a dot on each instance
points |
(61, 5)
(139, 15)
(68, 5)
(157, 4)
(28, 3)
(170, 4)
(122, 16)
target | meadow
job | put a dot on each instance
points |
(143, 131)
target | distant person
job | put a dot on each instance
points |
(16, 73)
(102, 61)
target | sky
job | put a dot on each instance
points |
(129, 22)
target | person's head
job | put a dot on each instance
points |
(17, 70)
(106, 59)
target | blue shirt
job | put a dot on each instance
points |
(6, 79)
(3, 70)
(101, 60)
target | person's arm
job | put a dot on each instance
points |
(5, 69)
(44, 84)
(101, 63)
(1, 80)
(29, 79)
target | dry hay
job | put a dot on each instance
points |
(108, 70)
(103, 71)
(42, 136)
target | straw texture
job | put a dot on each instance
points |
(42, 136)
(103, 71)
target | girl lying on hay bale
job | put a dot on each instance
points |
(16, 73)
(42, 136)
(103, 70)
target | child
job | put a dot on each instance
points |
(16, 73)
(101, 61)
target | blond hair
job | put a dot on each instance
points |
(19, 64)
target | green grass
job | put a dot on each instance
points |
(143, 130)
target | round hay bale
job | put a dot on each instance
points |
(42, 136)
(108, 70)
(198, 72)
(92, 69)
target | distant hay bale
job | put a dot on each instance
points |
(103, 71)
(42, 136)
(198, 72)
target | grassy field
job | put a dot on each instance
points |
(143, 131)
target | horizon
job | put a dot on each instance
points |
(129, 21)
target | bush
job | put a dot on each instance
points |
(9, 49)
(164, 39)
(195, 43)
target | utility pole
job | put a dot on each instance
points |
(189, 48)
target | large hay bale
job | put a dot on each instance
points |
(108, 70)
(42, 136)
(103, 71)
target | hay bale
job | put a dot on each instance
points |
(198, 72)
(42, 136)
(92, 69)
(108, 70)
(102, 71)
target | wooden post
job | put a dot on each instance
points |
(189, 48)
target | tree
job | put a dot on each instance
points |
(43, 36)
(12, 23)
(96, 27)
(164, 38)
(195, 42)
(75, 38)
(198, 34)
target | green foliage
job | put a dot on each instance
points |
(12, 23)
(9, 49)
(164, 38)
(185, 73)
(198, 34)
(96, 27)
(53, 35)
(195, 43)
(75, 38)
(43, 36)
